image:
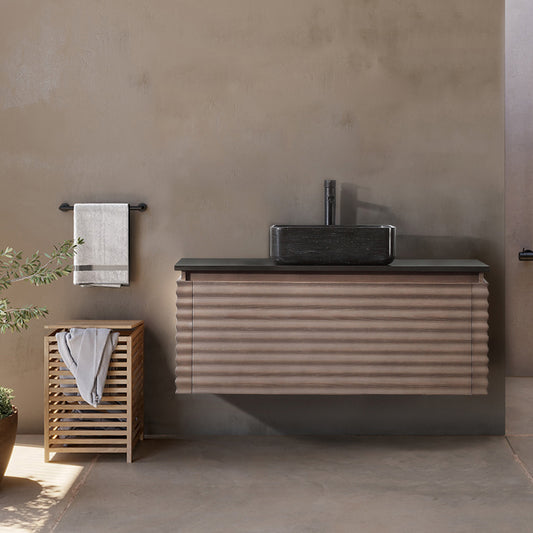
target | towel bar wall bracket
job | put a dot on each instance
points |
(139, 207)
(525, 255)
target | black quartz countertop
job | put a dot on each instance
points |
(267, 265)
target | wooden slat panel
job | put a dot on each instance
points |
(76, 398)
(84, 449)
(334, 302)
(87, 432)
(113, 364)
(119, 367)
(66, 419)
(214, 289)
(269, 337)
(349, 357)
(314, 389)
(325, 325)
(322, 381)
(109, 324)
(346, 313)
(184, 327)
(65, 404)
(276, 346)
(273, 372)
(71, 441)
(480, 339)
(46, 399)
(129, 407)
(68, 381)
(67, 373)
(342, 336)
(115, 357)
(121, 344)
(304, 312)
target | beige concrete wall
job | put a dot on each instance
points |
(519, 187)
(225, 117)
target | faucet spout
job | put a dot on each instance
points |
(330, 200)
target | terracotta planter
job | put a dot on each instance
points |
(8, 432)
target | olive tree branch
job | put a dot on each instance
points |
(14, 268)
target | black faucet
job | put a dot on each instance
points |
(329, 202)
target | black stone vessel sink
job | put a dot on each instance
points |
(332, 245)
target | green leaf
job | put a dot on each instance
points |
(14, 268)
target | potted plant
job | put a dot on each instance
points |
(37, 270)
(8, 427)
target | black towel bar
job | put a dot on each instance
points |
(139, 207)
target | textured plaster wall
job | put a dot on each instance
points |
(519, 187)
(225, 117)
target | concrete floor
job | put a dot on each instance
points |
(284, 484)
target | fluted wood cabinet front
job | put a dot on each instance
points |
(347, 334)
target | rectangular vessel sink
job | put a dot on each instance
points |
(332, 245)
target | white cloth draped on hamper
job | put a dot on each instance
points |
(103, 260)
(86, 352)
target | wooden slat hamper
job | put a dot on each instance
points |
(117, 424)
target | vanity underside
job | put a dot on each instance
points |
(332, 333)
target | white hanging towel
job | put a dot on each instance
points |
(87, 352)
(103, 260)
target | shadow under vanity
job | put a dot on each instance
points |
(251, 326)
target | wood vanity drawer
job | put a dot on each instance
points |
(349, 334)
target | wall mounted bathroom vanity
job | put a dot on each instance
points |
(250, 326)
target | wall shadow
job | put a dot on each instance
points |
(368, 414)
(349, 206)
(158, 379)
